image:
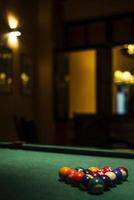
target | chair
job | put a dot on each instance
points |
(26, 130)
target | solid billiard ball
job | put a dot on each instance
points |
(84, 181)
(119, 176)
(69, 175)
(112, 177)
(75, 178)
(107, 182)
(124, 172)
(93, 169)
(96, 185)
(63, 172)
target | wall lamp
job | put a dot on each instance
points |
(14, 33)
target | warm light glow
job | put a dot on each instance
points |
(12, 40)
(118, 76)
(9, 81)
(24, 78)
(130, 49)
(17, 33)
(126, 76)
(123, 77)
(2, 78)
(12, 21)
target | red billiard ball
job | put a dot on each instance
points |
(75, 178)
(100, 172)
(69, 175)
(106, 169)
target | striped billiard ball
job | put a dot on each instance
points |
(124, 172)
(112, 177)
(106, 169)
(119, 176)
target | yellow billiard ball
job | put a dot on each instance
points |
(93, 169)
(63, 172)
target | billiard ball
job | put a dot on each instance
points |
(119, 176)
(75, 178)
(100, 172)
(94, 174)
(63, 172)
(96, 185)
(69, 175)
(93, 169)
(106, 169)
(112, 177)
(86, 171)
(107, 182)
(124, 172)
(83, 184)
(80, 169)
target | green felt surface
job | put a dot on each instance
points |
(33, 175)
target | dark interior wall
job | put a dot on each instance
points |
(45, 71)
(42, 25)
(76, 9)
(14, 102)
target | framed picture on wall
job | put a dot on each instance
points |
(5, 69)
(26, 75)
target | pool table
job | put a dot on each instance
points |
(30, 172)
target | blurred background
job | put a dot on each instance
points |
(67, 72)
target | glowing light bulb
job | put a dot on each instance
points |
(12, 21)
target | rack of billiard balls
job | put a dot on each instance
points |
(93, 179)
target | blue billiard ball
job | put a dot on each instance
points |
(84, 181)
(119, 177)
